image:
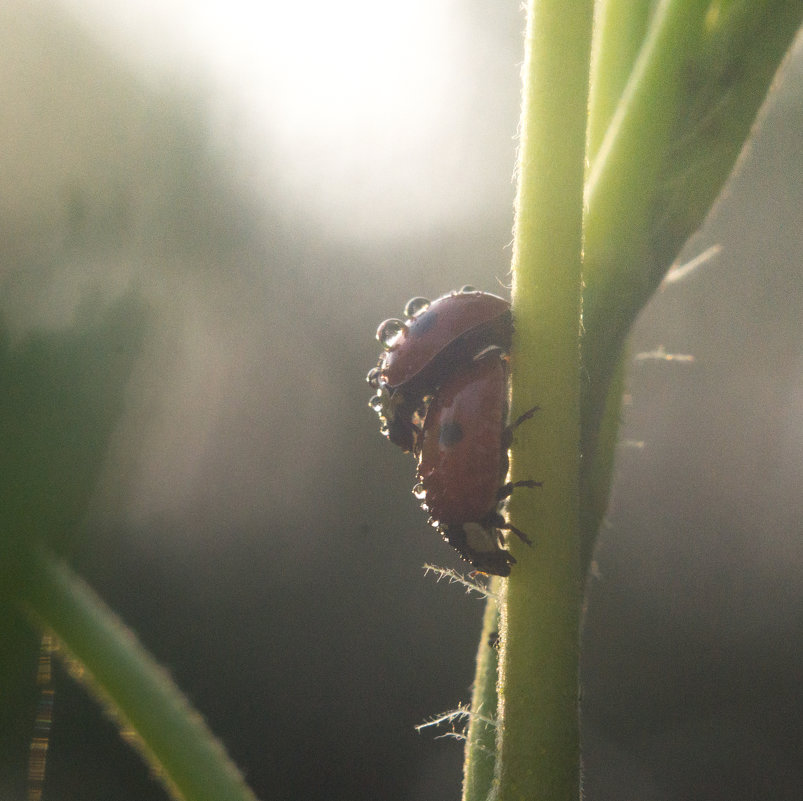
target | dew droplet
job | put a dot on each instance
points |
(388, 331)
(415, 306)
(468, 288)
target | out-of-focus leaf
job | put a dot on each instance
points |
(60, 396)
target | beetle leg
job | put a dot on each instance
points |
(507, 432)
(517, 531)
(506, 490)
(499, 523)
(526, 416)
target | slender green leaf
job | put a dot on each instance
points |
(105, 656)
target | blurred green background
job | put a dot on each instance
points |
(272, 183)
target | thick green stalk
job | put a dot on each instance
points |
(153, 714)
(538, 742)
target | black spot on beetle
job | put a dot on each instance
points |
(451, 433)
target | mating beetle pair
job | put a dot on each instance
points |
(442, 387)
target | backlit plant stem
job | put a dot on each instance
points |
(538, 735)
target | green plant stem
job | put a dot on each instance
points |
(700, 76)
(538, 741)
(596, 474)
(478, 771)
(152, 713)
(621, 189)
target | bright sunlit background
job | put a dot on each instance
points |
(348, 108)
(273, 179)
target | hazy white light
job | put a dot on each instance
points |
(343, 104)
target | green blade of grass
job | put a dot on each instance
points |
(151, 711)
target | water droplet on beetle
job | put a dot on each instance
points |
(388, 331)
(415, 306)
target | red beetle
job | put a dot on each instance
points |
(434, 341)
(463, 461)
